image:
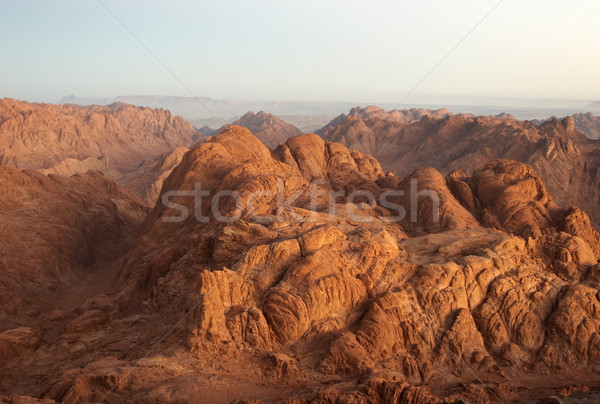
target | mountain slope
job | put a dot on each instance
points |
(148, 179)
(54, 231)
(38, 136)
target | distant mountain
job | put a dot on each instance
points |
(309, 123)
(567, 160)
(67, 139)
(217, 112)
(588, 124)
(268, 128)
(404, 116)
(208, 131)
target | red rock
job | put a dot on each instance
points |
(311, 303)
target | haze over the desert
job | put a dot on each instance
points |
(316, 202)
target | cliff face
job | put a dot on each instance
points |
(147, 180)
(294, 276)
(566, 160)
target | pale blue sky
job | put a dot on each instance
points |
(299, 50)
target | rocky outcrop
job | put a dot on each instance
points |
(489, 288)
(71, 166)
(18, 341)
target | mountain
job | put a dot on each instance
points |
(588, 124)
(566, 159)
(208, 131)
(68, 139)
(38, 136)
(307, 274)
(405, 116)
(217, 112)
(268, 128)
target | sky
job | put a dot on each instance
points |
(314, 50)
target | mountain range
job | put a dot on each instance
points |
(565, 158)
(117, 139)
(309, 116)
(413, 256)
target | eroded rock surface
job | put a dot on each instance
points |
(301, 289)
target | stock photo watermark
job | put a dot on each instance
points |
(207, 205)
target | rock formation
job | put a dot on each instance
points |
(291, 274)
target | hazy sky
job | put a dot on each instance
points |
(299, 50)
